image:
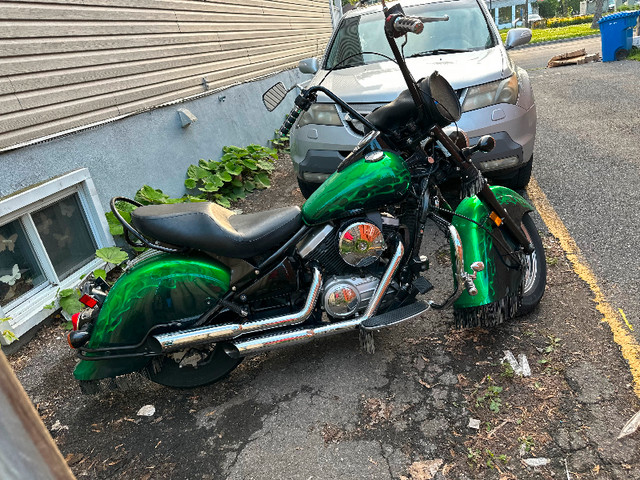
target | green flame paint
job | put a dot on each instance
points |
(161, 289)
(361, 186)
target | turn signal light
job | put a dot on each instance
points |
(78, 338)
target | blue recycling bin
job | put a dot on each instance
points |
(616, 34)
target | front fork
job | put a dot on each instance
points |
(462, 280)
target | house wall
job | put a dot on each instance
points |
(68, 63)
(93, 87)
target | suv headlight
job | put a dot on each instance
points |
(320, 114)
(502, 91)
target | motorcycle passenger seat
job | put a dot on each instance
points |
(212, 228)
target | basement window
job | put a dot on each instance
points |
(48, 237)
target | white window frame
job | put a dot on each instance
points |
(28, 311)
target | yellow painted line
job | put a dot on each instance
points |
(624, 317)
(627, 342)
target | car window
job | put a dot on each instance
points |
(466, 29)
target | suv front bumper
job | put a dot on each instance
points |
(317, 150)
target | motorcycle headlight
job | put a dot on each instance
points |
(320, 114)
(502, 91)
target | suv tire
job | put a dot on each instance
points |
(520, 179)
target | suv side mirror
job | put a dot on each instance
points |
(309, 65)
(517, 37)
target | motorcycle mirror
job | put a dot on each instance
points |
(308, 65)
(274, 96)
(485, 144)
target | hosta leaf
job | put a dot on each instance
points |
(209, 187)
(239, 192)
(196, 172)
(224, 176)
(250, 164)
(114, 255)
(190, 183)
(249, 186)
(233, 168)
(265, 165)
(236, 182)
(263, 179)
(224, 201)
(203, 163)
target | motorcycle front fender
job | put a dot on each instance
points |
(161, 289)
(497, 280)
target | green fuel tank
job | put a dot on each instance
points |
(379, 178)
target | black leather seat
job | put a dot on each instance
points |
(212, 228)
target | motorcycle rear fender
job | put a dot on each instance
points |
(161, 289)
(496, 281)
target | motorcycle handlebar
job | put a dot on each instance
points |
(289, 121)
(303, 102)
(403, 25)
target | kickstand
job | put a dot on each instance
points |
(366, 341)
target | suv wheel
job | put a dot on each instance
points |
(307, 188)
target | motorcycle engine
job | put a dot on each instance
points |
(343, 296)
(361, 243)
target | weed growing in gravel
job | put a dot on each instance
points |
(491, 396)
(507, 370)
(554, 343)
(527, 443)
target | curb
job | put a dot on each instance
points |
(550, 42)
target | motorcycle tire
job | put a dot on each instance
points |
(535, 275)
(214, 366)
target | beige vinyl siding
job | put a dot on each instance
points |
(70, 63)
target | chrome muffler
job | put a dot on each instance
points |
(172, 341)
(271, 342)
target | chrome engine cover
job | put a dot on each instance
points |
(361, 244)
(343, 296)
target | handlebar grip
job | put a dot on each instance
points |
(402, 25)
(289, 121)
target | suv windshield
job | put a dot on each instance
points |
(465, 30)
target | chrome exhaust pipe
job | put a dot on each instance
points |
(173, 341)
(271, 342)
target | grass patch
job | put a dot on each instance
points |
(635, 54)
(558, 33)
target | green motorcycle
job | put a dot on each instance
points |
(218, 286)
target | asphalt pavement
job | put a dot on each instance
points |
(587, 161)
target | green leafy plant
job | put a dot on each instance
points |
(113, 256)
(69, 300)
(507, 370)
(527, 443)
(554, 343)
(7, 334)
(280, 142)
(491, 395)
(239, 171)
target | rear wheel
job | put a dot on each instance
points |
(193, 367)
(535, 269)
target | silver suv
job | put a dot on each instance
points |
(495, 95)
